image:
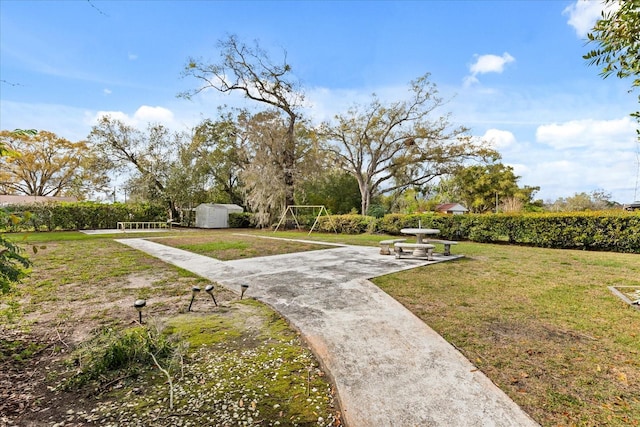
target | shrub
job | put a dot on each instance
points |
(241, 220)
(111, 353)
(347, 224)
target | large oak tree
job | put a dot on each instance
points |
(248, 69)
(149, 154)
(263, 144)
(389, 146)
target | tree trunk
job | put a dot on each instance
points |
(365, 195)
(289, 162)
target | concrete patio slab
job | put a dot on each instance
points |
(389, 367)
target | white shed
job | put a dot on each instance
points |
(215, 215)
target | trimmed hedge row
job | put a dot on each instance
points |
(615, 231)
(78, 215)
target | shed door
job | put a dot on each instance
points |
(219, 218)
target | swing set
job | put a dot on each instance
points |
(293, 209)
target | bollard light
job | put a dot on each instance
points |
(194, 292)
(209, 290)
(139, 305)
(243, 289)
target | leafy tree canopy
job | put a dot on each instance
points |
(43, 164)
(617, 34)
(249, 70)
(595, 201)
(390, 146)
(493, 187)
(335, 189)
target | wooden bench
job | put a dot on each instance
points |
(447, 244)
(420, 250)
(384, 245)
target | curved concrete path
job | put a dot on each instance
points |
(389, 367)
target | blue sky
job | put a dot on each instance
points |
(512, 71)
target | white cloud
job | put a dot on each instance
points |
(490, 63)
(499, 138)
(324, 103)
(487, 64)
(565, 174)
(115, 115)
(589, 133)
(132, 56)
(583, 14)
(153, 114)
(470, 80)
(143, 116)
(106, 91)
(579, 156)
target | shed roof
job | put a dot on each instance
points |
(227, 206)
(447, 207)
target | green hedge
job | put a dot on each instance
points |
(79, 215)
(616, 231)
(241, 220)
(347, 224)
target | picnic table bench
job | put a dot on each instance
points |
(384, 245)
(447, 244)
(419, 250)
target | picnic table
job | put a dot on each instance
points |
(420, 247)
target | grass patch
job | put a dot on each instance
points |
(18, 350)
(212, 247)
(225, 245)
(345, 239)
(224, 376)
(203, 330)
(58, 236)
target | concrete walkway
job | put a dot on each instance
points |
(389, 367)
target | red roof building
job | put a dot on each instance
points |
(451, 208)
